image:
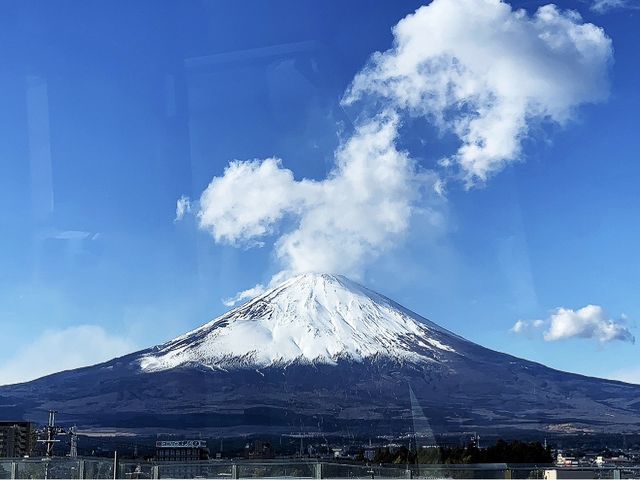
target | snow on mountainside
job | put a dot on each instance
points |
(320, 351)
(317, 318)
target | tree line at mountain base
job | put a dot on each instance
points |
(502, 452)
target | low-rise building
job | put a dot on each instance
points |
(181, 450)
(560, 474)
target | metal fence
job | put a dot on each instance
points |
(89, 468)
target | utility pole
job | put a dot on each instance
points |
(73, 450)
(51, 431)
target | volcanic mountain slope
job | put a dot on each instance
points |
(310, 319)
(320, 352)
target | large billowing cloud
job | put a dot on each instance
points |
(589, 322)
(485, 72)
(57, 350)
(472, 67)
(361, 208)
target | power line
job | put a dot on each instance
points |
(51, 431)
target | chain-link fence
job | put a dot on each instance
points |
(90, 468)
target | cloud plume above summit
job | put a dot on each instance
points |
(476, 69)
(361, 208)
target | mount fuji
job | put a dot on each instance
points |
(310, 319)
(322, 353)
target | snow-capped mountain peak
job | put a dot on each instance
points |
(309, 318)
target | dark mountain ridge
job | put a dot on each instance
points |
(322, 354)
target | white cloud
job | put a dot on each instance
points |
(587, 322)
(183, 206)
(54, 351)
(250, 198)
(244, 295)
(485, 72)
(364, 206)
(603, 6)
(524, 326)
(361, 209)
(473, 67)
(527, 328)
(519, 326)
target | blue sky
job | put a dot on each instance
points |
(109, 115)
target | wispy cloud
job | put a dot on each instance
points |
(476, 68)
(57, 350)
(589, 322)
(183, 207)
(528, 328)
(244, 295)
(604, 6)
